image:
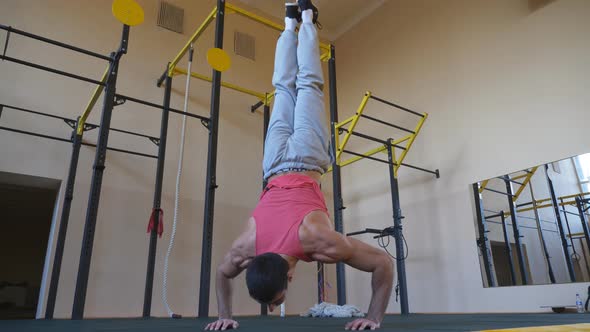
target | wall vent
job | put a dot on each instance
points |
(171, 17)
(245, 45)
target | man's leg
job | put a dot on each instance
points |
(311, 139)
(281, 123)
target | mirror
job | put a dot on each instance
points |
(532, 225)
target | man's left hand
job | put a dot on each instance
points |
(362, 324)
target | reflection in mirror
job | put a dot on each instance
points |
(532, 225)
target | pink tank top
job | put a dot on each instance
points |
(283, 205)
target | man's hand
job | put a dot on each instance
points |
(222, 325)
(362, 324)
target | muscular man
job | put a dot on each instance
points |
(290, 222)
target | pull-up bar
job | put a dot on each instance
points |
(397, 143)
(10, 30)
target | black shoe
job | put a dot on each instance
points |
(292, 11)
(305, 5)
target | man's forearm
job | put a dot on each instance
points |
(224, 293)
(381, 283)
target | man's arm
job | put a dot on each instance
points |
(329, 246)
(227, 270)
(234, 262)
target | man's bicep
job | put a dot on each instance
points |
(231, 266)
(364, 256)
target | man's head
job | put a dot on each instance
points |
(267, 277)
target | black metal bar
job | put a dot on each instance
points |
(513, 181)
(394, 164)
(482, 241)
(368, 157)
(584, 221)
(54, 42)
(524, 204)
(398, 235)
(508, 249)
(397, 106)
(367, 230)
(256, 106)
(585, 256)
(96, 183)
(68, 119)
(147, 103)
(63, 225)
(336, 177)
(51, 70)
(266, 121)
(36, 112)
(157, 203)
(388, 124)
(498, 192)
(124, 151)
(492, 216)
(1, 109)
(542, 236)
(211, 185)
(367, 137)
(564, 244)
(516, 232)
(569, 230)
(6, 43)
(35, 134)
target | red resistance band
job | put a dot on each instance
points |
(153, 222)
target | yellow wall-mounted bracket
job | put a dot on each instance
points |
(95, 95)
(526, 181)
(410, 140)
(218, 59)
(354, 120)
(259, 95)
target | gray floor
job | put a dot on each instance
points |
(391, 323)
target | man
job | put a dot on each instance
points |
(290, 223)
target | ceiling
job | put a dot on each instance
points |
(336, 16)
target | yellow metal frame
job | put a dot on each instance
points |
(353, 121)
(230, 8)
(527, 179)
(545, 205)
(95, 95)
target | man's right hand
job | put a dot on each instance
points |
(222, 325)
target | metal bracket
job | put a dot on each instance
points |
(156, 141)
(88, 127)
(119, 100)
(205, 123)
(71, 123)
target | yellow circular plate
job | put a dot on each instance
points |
(128, 12)
(218, 59)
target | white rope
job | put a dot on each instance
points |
(177, 192)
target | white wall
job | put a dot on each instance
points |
(505, 88)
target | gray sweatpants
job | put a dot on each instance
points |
(298, 138)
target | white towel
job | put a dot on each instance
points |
(326, 309)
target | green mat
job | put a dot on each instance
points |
(396, 323)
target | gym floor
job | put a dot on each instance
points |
(392, 323)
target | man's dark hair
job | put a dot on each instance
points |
(266, 276)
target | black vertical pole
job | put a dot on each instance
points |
(266, 114)
(337, 185)
(564, 244)
(151, 263)
(482, 241)
(63, 223)
(516, 231)
(96, 184)
(542, 236)
(211, 185)
(398, 234)
(508, 248)
(584, 221)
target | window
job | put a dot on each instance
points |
(582, 163)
